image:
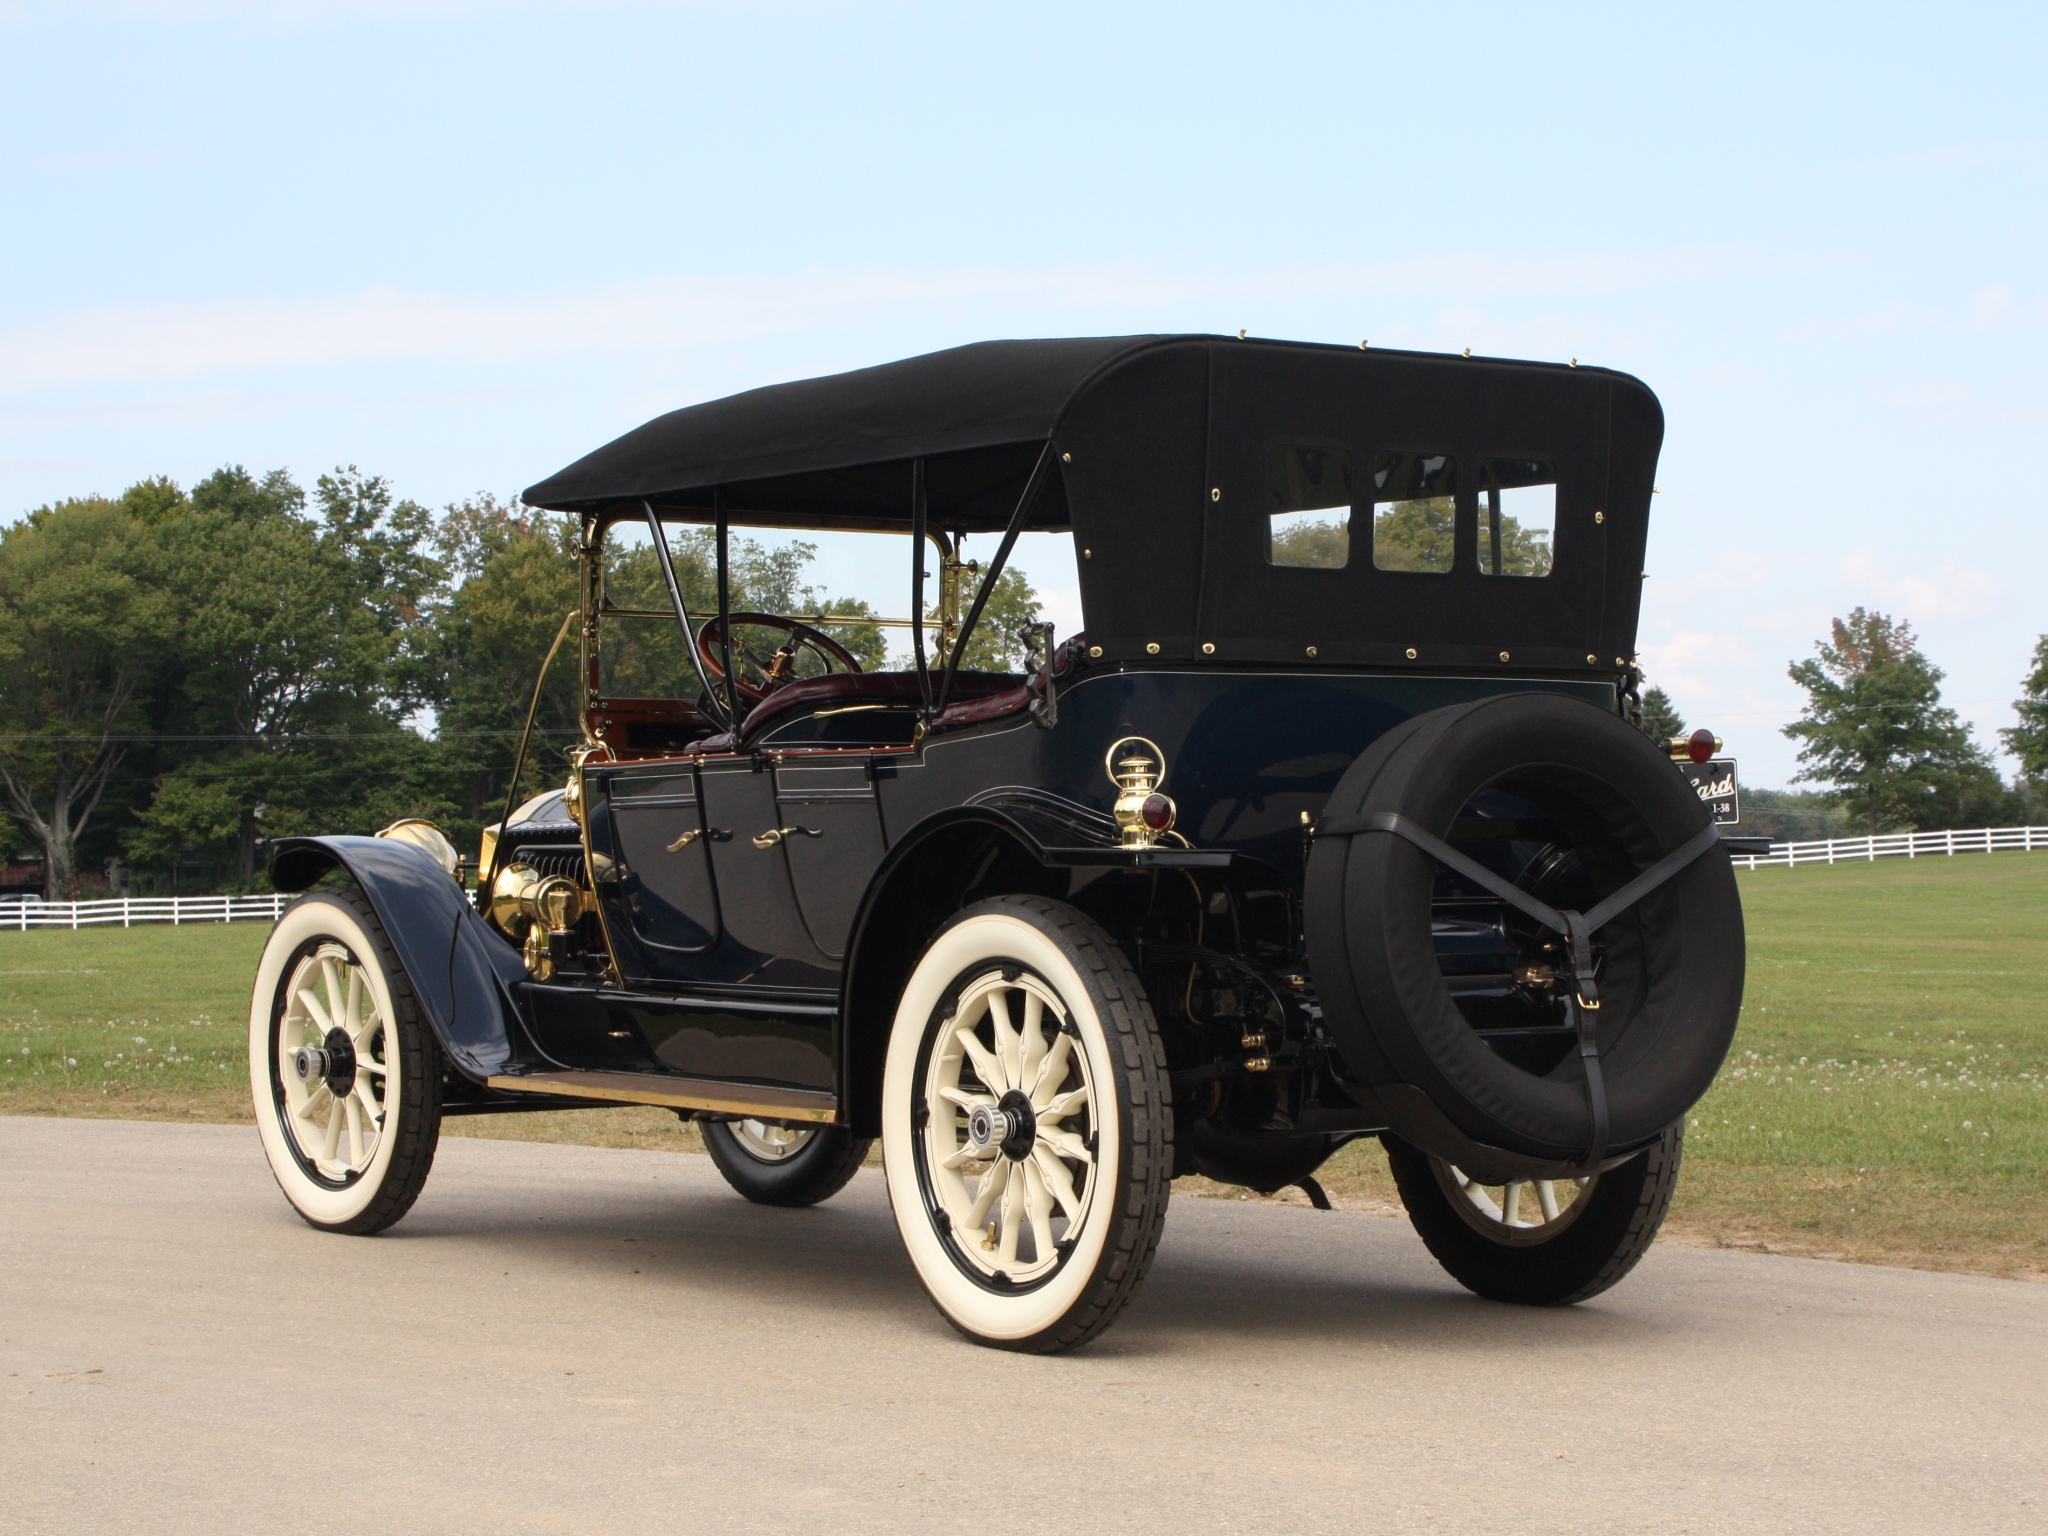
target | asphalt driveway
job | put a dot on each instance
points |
(576, 1339)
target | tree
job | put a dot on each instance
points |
(520, 580)
(2028, 741)
(1877, 737)
(997, 644)
(1661, 720)
(302, 644)
(1416, 535)
(84, 618)
(1316, 542)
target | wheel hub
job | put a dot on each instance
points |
(1008, 1127)
(332, 1061)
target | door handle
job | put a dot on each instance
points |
(775, 835)
(685, 840)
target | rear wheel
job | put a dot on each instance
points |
(784, 1165)
(1026, 1125)
(344, 1071)
(1539, 1242)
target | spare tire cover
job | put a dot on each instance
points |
(1670, 968)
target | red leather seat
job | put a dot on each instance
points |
(838, 690)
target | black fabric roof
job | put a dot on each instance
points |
(1165, 477)
(991, 395)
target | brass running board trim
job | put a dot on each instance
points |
(678, 1093)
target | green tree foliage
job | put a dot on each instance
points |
(303, 642)
(1661, 720)
(1319, 543)
(1524, 551)
(2028, 741)
(84, 619)
(1878, 739)
(518, 581)
(1418, 535)
(1793, 816)
(997, 644)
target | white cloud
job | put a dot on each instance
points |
(156, 343)
(1947, 593)
(1992, 306)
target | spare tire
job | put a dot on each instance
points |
(1570, 802)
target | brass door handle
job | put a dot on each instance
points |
(775, 835)
(685, 840)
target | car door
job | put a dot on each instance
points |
(831, 836)
(660, 900)
(764, 945)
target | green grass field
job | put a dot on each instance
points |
(1887, 1099)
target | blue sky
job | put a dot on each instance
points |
(461, 244)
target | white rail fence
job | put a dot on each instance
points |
(127, 911)
(1897, 845)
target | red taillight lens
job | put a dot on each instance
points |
(1156, 812)
(1700, 745)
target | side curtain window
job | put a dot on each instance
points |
(1308, 506)
(1414, 511)
(1517, 517)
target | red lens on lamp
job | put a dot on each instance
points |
(1700, 745)
(1156, 812)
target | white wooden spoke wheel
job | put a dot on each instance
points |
(769, 1143)
(1026, 1126)
(333, 1051)
(1009, 1126)
(344, 1075)
(1520, 1214)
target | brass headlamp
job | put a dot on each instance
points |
(544, 906)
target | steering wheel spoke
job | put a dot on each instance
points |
(776, 669)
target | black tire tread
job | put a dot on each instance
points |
(1589, 1257)
(817, 1172)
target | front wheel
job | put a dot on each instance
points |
(784, 1165)
(1539, 1242)
(344, 1070)
(1027, 1125)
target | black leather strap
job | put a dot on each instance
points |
(1550, 917)
(1582, 1006)
(1583, 1003)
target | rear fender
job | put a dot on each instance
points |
(918, 886)
(958, 856)
(464, 973)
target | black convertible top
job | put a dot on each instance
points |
(1165, 477)
(991, 395)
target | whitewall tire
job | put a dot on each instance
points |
(1027, 1126)
(343, 1069)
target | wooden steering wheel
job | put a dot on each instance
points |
(760, 674)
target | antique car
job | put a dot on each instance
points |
(1335, 821)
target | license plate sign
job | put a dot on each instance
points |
(1714, 782)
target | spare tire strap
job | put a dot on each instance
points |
(1584, 1001)
(1556, 921)
(1581, 1006)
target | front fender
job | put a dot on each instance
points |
(464, 974)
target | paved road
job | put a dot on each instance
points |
(568, 1338)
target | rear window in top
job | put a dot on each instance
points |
(1308, 506)
(1414, 511)
(1517, 517)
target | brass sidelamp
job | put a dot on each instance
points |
(1137, 767)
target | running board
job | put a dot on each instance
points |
(755, 1103)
